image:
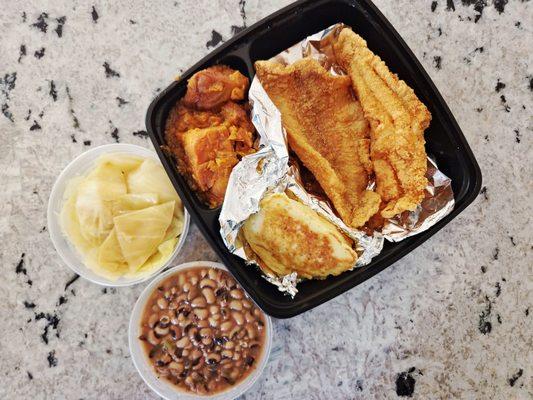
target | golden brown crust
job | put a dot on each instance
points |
(288, 237)
(397, 122)
(327, 130)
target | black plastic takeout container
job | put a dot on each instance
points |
(444, 139)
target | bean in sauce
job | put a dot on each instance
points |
(201, 332)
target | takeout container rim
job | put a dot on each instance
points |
(467, 192)
(62, 243)
(146, 371)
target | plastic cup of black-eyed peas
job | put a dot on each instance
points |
(194, 333)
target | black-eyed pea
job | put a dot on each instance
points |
(195, 354)
(213, 322)
(203, 273)
(162, 303)
(164, 321)
(229, 345)
(227, 353)
(247, 303)
(251, 332)
(186, 287)
(234, 331)
(189, 381)
(176, 367)
(153, 320)
(183, 342)
(225, 361)
(249, 317)
(236, 294)
(206, 282)
(203, 323)
(213, 358)
(214, 309)
(198, 364)
(163, 371)
(212, 273)
(207, 341)
(152, 338)
(209, 295)
(236, 356)
(205, 332)
(199, 302)
(226, 326)
(193, 334)
(194, 280)
(193, 293)
(161, 331)
(235, 305)
(184, 322)
(201, 313)
(237, 316)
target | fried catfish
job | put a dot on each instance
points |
(327, 131)
(397, 122)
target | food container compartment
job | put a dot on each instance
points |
(444, 139)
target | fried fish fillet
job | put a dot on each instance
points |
(397, 122)
(327, 130)
(290, 237)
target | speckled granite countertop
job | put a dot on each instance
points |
(450, 320)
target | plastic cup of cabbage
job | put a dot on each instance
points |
(68, 253)
(164, 388)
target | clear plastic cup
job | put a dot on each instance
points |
(68, 253)
(161, 386)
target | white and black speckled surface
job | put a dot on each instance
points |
(450, 320)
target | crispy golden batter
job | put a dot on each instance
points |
(290, 237)
(397, 121)
(327, 130)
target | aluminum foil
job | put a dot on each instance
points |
(270, 170)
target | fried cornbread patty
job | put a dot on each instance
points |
(288, 236)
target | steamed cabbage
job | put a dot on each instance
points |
(132, 202)
(125, 162)
(94, 201)
(139, 233)
(124, 217)
(164, 252)
(151, 177)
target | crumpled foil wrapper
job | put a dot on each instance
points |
(269, 170)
